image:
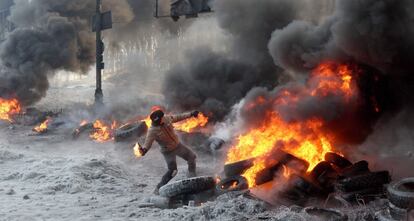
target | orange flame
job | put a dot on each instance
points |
(102, 131)
(136, 150)
(305, 139)
(42, 128)
(147, 121)
(9, 108)
(191, 124)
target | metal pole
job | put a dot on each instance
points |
(98, 91)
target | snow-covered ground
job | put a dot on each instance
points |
(53, 177)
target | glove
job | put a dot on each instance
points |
(195, 113)
(143, 151)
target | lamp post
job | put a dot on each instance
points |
(101, 21)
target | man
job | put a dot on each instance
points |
(162, 131)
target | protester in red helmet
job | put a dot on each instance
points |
(162, 131)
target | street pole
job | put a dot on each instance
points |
(98, 90)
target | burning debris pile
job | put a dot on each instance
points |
(12, 111)
(335, 179)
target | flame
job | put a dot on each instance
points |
(102, 131)
(9, 108)
(191, 124)
(147, 121)
(305, 139)
(136, 150)
(42, 128)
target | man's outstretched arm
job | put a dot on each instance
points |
(180, 117)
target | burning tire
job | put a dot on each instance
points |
(401, 193)
(188, 186)
(337, 160)
(237, 168)
(321, 169)
(297, 164)
(325, 214)
(236, 183)
(78, 131)
(364, 181)
(324, 174)
(130, 130)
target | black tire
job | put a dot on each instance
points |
(321, 169)
(337, 160)
(326, 214)
(397, 213)
(324, 174)
(306, 185)
(78, 131)
(355, 169)
(188, 186)
(401, 193)
(237, 168)
(292, 196)
(297, 164)
(130, 131)
(364, 181)
(226, 185)
(215, 144)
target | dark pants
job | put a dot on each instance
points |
(170, 158)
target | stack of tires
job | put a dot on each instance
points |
(234, 181)
(347, 182)
(336, 176)
(401, 200)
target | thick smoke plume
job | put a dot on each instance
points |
(213, 82)
(49, 36)
(376, 36)
(245, 64)
(375, 33)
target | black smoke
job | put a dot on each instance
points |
(212, 82)
(49, 36)
(370, 32)
(247, 61)
(377, 36)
